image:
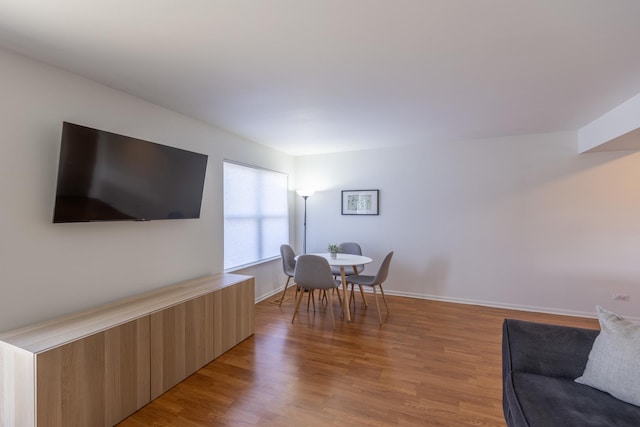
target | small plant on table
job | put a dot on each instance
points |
(333, 250)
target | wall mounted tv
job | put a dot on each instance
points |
(103, 176)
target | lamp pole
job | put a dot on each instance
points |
(304, 240)
(305, 195)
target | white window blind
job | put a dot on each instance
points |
(256, 214)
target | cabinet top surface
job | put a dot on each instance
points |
(55, 332)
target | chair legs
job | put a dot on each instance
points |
(364, 300)
(298, 300)
(353, 298)
(375, 295)
(339, 297)
(286, 286)
(329, 297)
(384, 299)
(324, 299)
(311, 298)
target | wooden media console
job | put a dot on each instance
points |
(96, 367)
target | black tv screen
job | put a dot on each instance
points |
(103, 176)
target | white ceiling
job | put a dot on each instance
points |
(313, 76)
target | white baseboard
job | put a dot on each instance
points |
(270, 294)
(518, 307)
(496, 304)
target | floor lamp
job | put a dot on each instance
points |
(305, 195)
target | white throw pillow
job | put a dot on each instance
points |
(614, 361)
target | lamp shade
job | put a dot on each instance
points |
(305, 192)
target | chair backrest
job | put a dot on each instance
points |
(288, 259)
(352, 248)
(383, 271)
(313, 272)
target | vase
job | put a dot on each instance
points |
(334, 255)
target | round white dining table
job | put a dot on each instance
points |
(342, 261)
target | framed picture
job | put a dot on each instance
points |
(360, 202)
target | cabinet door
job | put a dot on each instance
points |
(92, 381)
(234, 314)
(127, 370)
(181, 342)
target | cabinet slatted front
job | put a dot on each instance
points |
(99, 366)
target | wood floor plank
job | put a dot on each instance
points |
(431, 364)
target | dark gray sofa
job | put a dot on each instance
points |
(539, 365)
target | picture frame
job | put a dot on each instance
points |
(360, 202)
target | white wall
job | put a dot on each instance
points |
(50, 269)
(517, 222)
(523, 222)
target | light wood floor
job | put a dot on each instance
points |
(431, 364)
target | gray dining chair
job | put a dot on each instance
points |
(288, 267)
(313, 272)
(372, 282)
(352, 248)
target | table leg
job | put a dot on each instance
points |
(345, 301)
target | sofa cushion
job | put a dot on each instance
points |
(614, 361)
(561, 402)
(551, 350)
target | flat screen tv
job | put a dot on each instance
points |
(103, 176)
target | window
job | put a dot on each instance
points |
(256, 214)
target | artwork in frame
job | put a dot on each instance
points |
(360, 202)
